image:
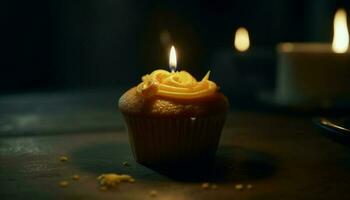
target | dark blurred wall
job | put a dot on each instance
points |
(95, 42)
(25, 59)
(61, 44)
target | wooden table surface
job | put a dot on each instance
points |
(282, 156)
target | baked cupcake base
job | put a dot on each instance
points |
(164, 140)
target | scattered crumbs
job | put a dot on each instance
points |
(63, 158)
(126, 164)
(239, 187)
(205, 185)
(75, 177)
(153, 193)
(112, 180)
(249, 186)
(214, 186)
(64, 183)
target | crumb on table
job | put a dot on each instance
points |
(64, 183)
(153, 193)
(205, 185)
(239, 187)
(103, 188)
(132, 180)
(249, 186)
(75, 177)
(112, 180)
(214, 186)
(63, 158)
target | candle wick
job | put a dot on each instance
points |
(172, 69)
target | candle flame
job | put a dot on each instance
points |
(172, 59)
(242, 42)
(341, 35)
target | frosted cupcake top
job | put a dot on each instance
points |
(180, 85)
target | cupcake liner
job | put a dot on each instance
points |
(156, 140)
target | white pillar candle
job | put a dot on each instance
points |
(311, 73)
(315, 73)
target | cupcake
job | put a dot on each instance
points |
(172, 117)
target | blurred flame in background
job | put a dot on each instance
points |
(242, 42)
(341, 35)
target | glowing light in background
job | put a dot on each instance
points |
(242, 41)
(341, 35)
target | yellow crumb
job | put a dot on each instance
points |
(153, 193)
(239, 187)
(112, 180)
(103, 188)
(205, 185)
(75, 177)
(64, 183)
(126, 164)
(249, 186)
(214, 186)
(132, 180)
(63, 158)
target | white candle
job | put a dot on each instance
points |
(315, 73)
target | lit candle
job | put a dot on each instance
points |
(172, 59)
(175, 84)
(315, 73)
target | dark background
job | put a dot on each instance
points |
(58, 44)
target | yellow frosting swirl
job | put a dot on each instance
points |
(181, 85)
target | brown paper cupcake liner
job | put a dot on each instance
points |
(165, 140)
